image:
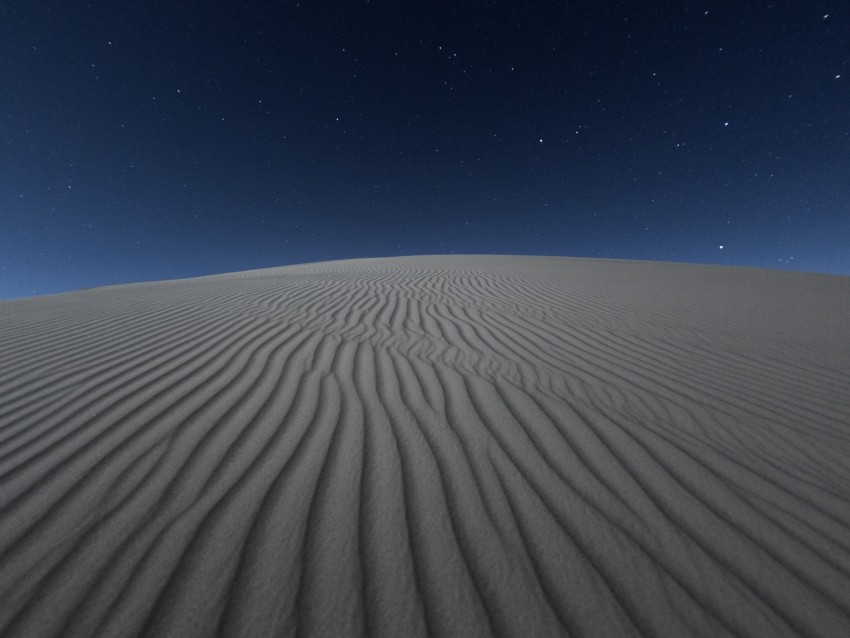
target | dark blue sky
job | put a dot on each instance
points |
(156, 140)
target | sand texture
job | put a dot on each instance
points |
(448, 446)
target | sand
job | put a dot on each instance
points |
(448, 446)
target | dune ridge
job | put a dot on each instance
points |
(437, 445)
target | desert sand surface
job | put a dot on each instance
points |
(443, 445)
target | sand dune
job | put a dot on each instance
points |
(448, 446)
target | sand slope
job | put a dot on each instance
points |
(453, 446)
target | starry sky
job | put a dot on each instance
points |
(158, 140)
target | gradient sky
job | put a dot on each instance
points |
(159, 140)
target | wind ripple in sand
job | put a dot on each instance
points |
(449, 446)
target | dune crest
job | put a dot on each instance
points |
(443, 445)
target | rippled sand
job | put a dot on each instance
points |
(448, 446)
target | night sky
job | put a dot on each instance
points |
(159, 140)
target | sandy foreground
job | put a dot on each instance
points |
(449, 446)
